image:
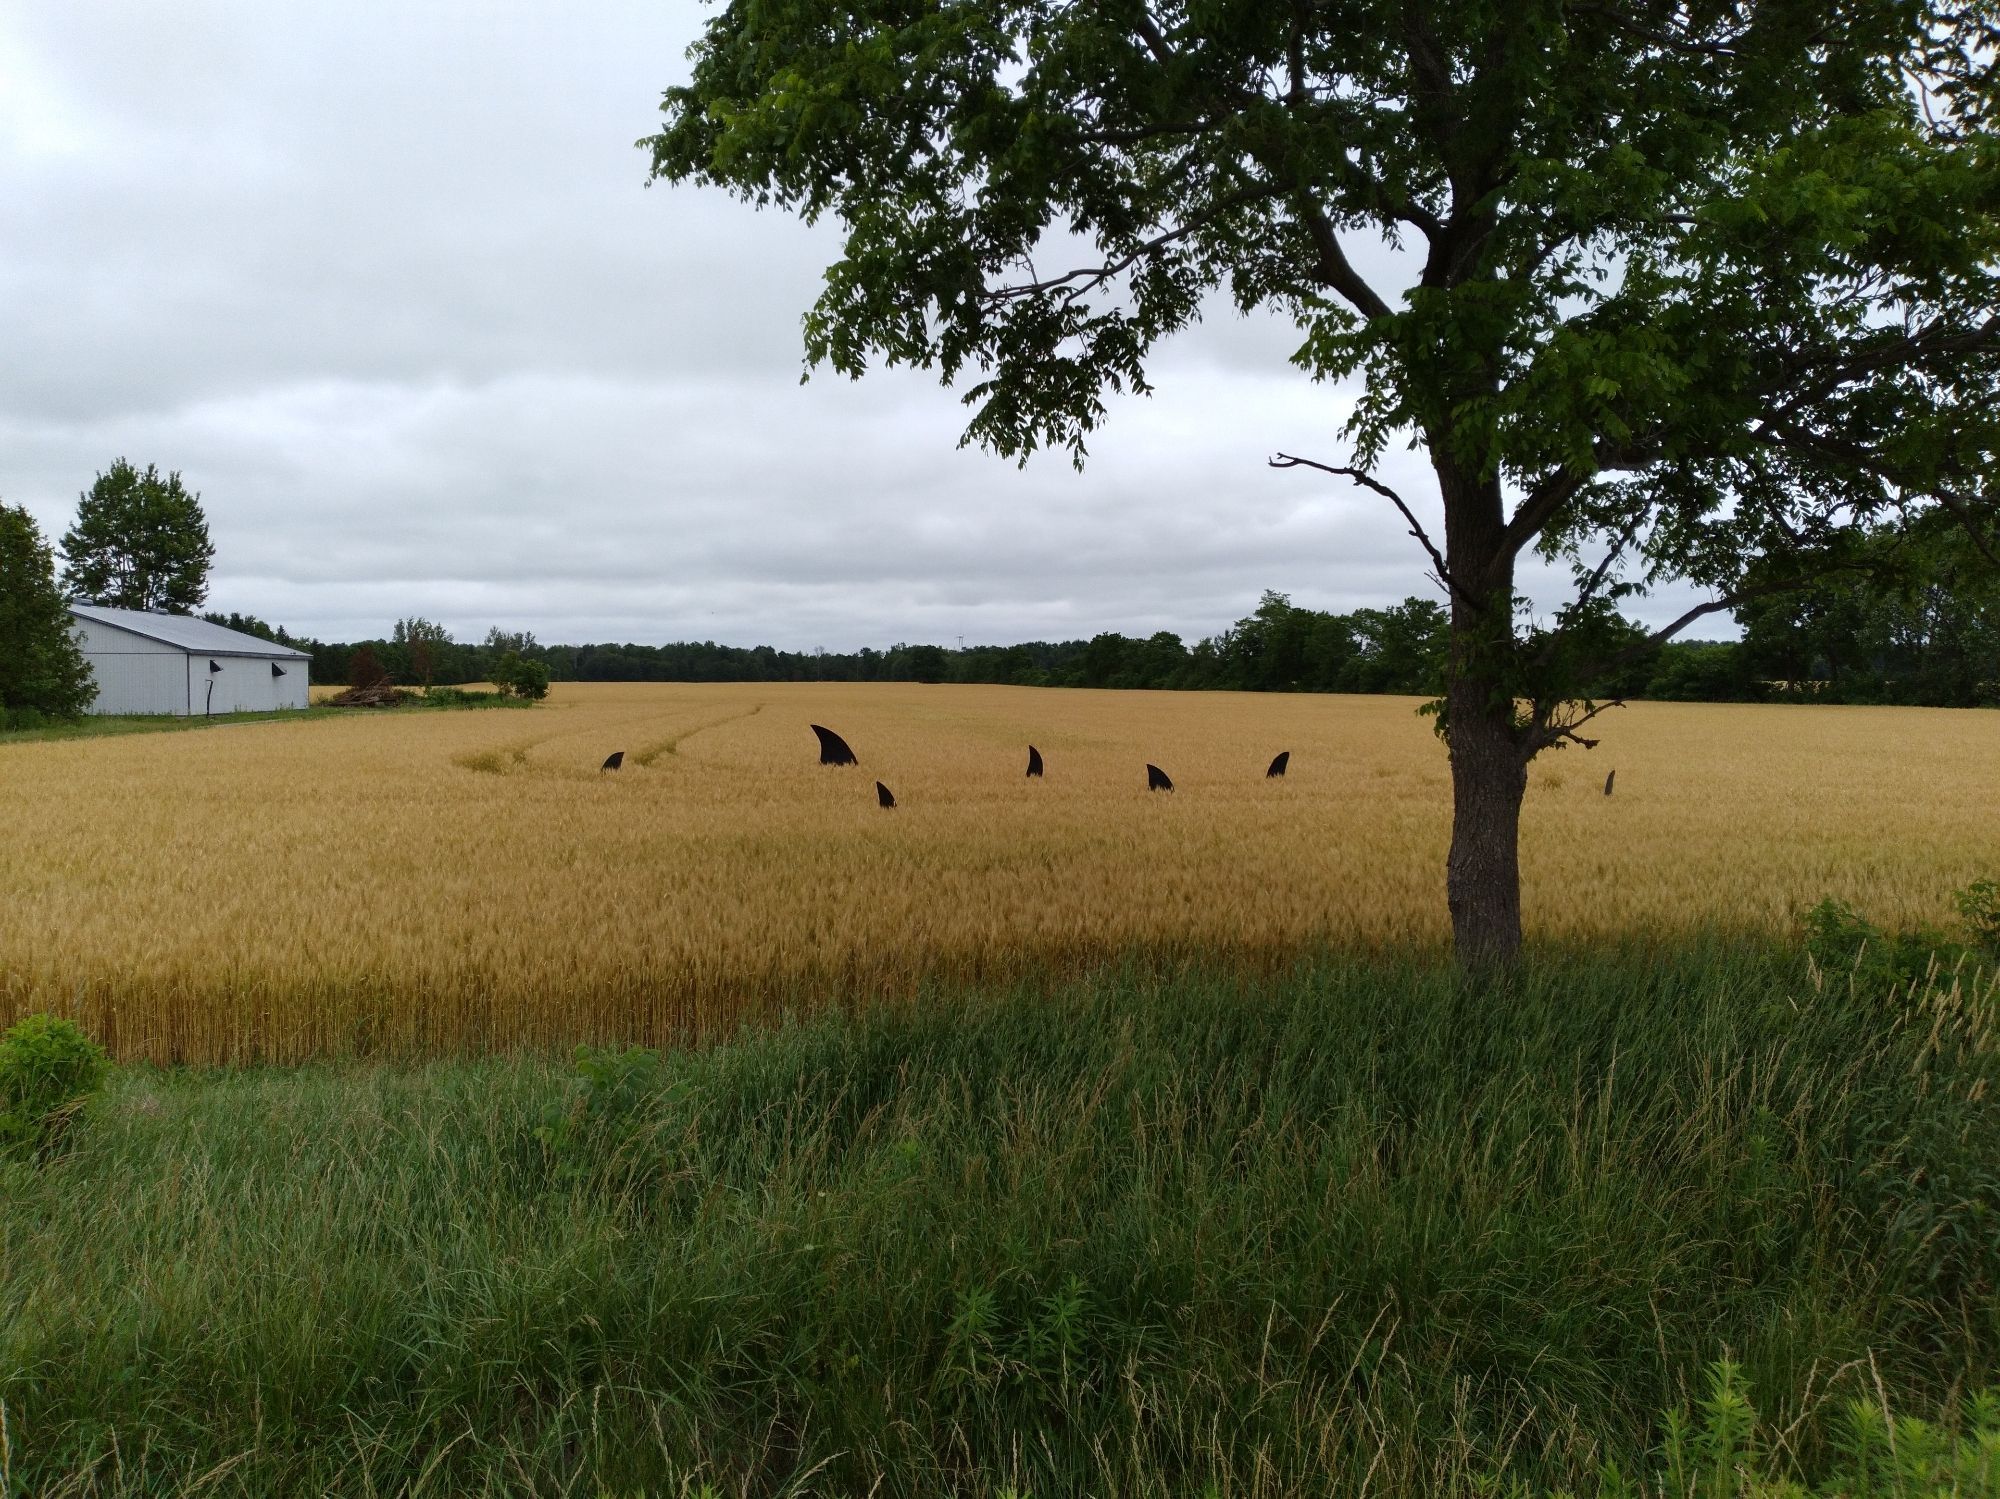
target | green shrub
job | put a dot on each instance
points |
(47, 1067)
(516, 677)
(462, 697)
(1979, 908)
(1722, 1451)
(617, 1092)
(1844, 944)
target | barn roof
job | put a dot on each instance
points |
(197, 636)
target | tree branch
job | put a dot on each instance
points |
(1335, 269)
(1085, 279)
(1139, 134)
(1724, 49)
(1369, 481)
(1617, 550)
(1786, 436)
(1549, 731)
(1715, 606)
(1837, 367)
(1960, 508)
(1538, 509)
(1545, 499)
(1154, 38)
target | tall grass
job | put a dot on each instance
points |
(1359, 1228)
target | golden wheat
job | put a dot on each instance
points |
(460, 880)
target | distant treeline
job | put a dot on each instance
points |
(1923, 629)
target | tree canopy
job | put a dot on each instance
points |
(140, 542)
(1682, 291)
(42, 670)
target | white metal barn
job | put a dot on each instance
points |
(174, 663)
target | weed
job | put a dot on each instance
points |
(48, 1067)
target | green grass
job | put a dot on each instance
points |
(98, 726)
(1363, 1228)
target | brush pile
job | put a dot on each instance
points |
(374, 695)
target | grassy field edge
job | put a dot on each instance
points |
(1355, 1227)
(112, 725)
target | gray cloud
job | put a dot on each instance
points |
(387, 287)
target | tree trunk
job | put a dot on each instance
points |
(1489, 776)
(1489, 767)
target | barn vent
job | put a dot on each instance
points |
(214, 667)
(277, 670)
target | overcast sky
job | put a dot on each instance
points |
(385, 283)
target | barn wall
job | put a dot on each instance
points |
(294, 688)
(133, 674)
(245, 684)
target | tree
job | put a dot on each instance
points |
(42, 670)
(1702, 671)
(1404, 648)
(249, 624)
(925, 663)
(1922, 625)
(423, 639)
(365, 669)
(139, 542)
(501, 641)
(1674, 291)
(518, 676)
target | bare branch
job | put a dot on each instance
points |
(1550, 731)
(1086, 279)
(1369, 481)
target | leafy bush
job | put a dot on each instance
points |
(1721, 1452)
(460, 697)
(47, 1067)
(618, 1091)
(531, 681)
(1979, 908)
(1844, 943)
(1702, 672)
(518, 677)
(463, 697)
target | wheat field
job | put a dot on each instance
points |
(462, 881)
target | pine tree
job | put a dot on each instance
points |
(41, 668)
